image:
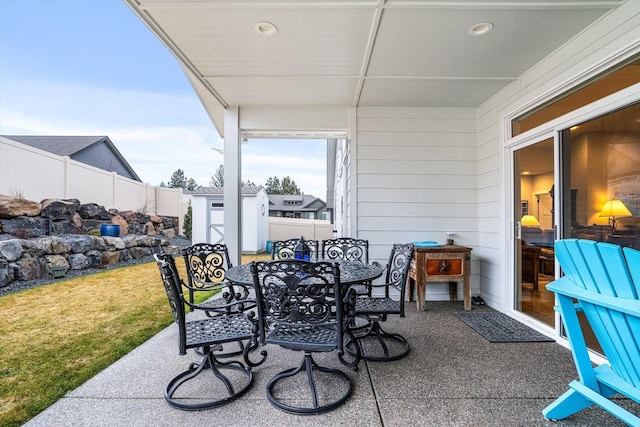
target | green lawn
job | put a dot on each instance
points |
(56, 337)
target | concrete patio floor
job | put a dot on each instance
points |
(452, 377)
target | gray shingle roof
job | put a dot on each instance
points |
(72, 145)
(59, 145)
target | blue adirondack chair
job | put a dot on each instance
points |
(605, 281)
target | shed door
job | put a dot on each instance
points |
(216, 222)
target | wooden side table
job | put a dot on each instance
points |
(448, 263)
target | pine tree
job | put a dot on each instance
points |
(187, 226)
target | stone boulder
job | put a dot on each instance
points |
(173, 250)
(7, 272)
(11, 250)
(76, 220)
(32, 248)
(12, 207)
(80, 244)
(66, 227)
(124, 225)
(78, 261)
(56, 261)
(149, 229)
(59, 209)
(113, 242)
(169, 232)
(26, 227)
(110, 258)
(139, 252)
(31, 269)
(94, 258)
(169, 222)
(125, 255)
(93, 211)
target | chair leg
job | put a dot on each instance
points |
(208, 361)
(376, 336)
(309, 366)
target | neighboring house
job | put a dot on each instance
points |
(208, 217)
(97, 151)
(296, 206)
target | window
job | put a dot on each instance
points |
(622, 76)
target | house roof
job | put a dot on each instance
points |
(295, 202)
(59, 145)
(70, 145)
(360, 53)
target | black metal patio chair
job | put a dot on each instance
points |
(229, 380)
(346, 248)
(285, 249)
(373, 343)
(206, 265)
(300, 307)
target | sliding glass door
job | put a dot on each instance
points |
(601, 182)
(533, 213)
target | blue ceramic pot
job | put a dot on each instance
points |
(112, 230)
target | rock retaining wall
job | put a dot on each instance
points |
(28, 219)
(37, 238)
(32, 259)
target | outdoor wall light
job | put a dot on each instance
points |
(614, 209)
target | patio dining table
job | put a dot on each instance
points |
(351, 273)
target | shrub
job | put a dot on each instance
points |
(186, 227)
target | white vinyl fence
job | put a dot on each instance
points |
(37, 175)
(290, 228)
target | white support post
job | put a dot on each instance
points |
(232, 179)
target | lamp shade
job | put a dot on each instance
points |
(529, 220)
(614, 208)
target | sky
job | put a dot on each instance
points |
(91, 67)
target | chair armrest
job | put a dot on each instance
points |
(567, 287)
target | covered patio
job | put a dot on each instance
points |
(452, 377)
(420, 102)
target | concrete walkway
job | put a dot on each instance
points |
(452, 377)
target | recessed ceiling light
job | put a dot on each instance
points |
(266, 29)
(480, 29)
(526, 173)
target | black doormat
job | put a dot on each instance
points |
(498, 327)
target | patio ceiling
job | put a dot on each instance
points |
(330, 53)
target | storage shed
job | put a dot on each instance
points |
(208, 217)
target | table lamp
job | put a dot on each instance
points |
(529, 221)
(614, 209)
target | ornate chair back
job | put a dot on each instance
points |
(284, 249)
(347, 249)
(206, 265)
(398, 270)
(173, 287)
(294, 295)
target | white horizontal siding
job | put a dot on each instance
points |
(416, 178)
(603, 40)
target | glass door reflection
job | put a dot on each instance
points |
(534, 211)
